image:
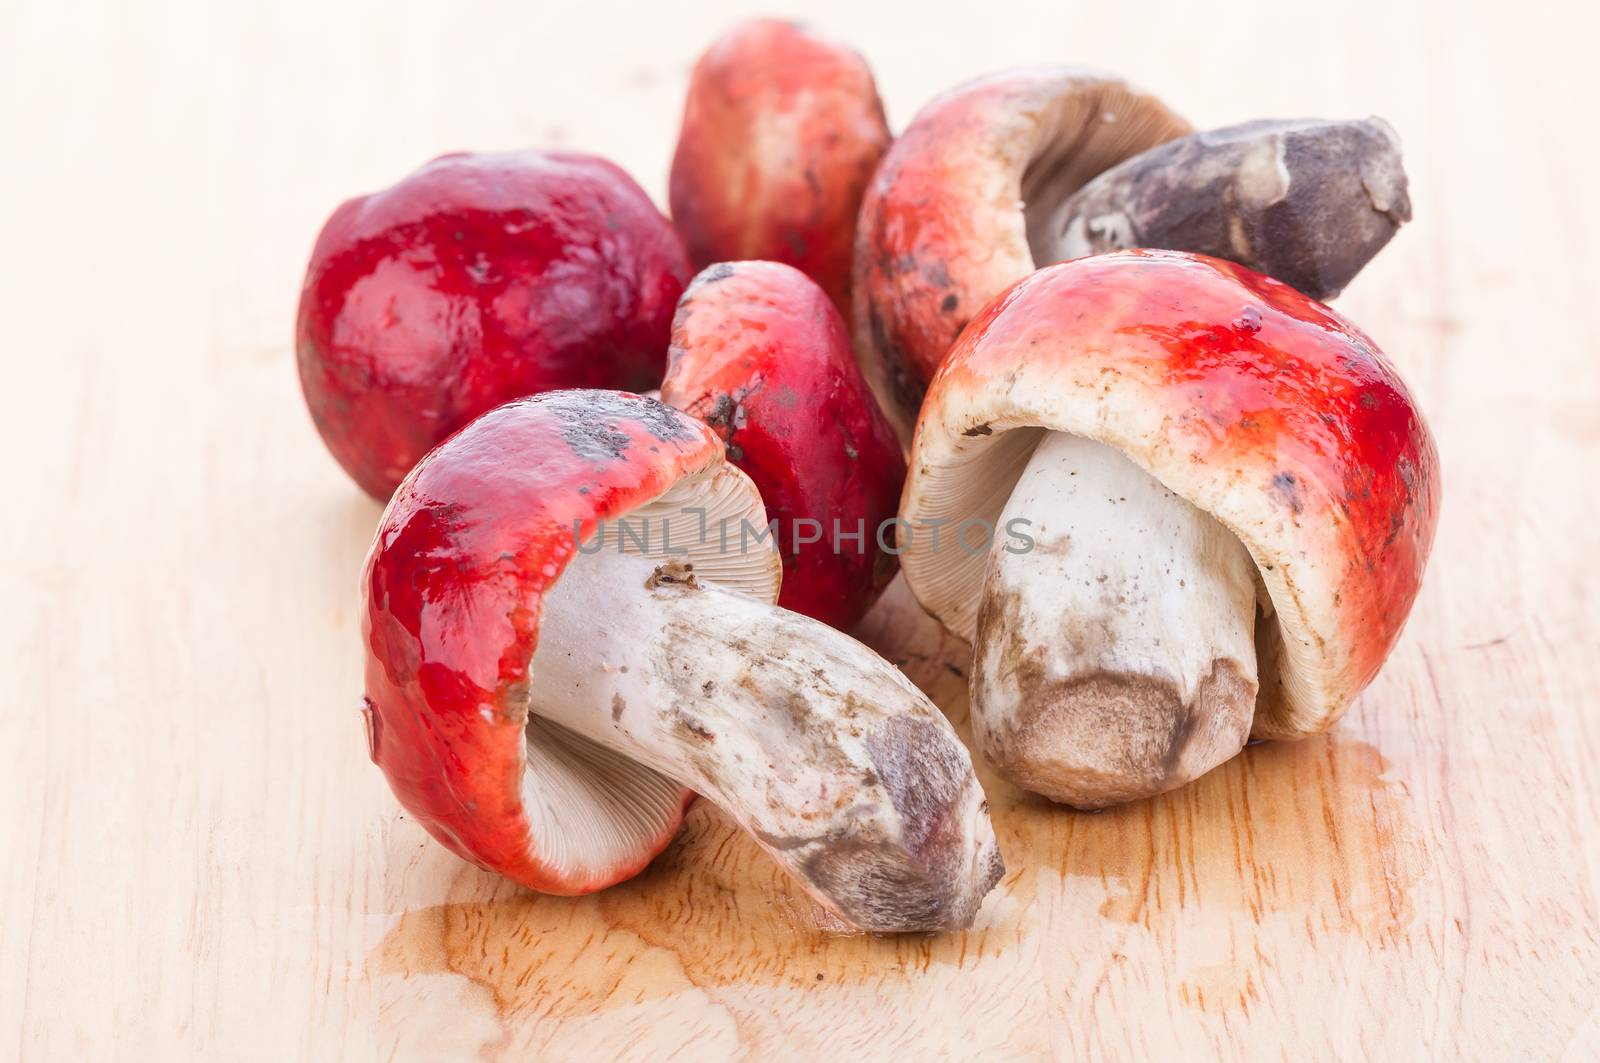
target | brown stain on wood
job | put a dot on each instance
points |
(1251, 840)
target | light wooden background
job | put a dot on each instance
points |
(197, 859)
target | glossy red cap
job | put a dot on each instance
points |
(760, 354)
(781, 131)
(476, 280)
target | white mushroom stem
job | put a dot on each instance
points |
(1116, 658)
(822, 750)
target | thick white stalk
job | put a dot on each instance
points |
(817, 746)
(1116, 658)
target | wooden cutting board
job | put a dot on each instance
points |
(199, 860)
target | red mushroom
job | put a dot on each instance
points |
(568, 631)
(1200, 482)
(761, 355)
(781, 131)
(478, 279)
(964, 204)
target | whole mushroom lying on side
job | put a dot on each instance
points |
(476, 280)
(1029, 168)
(1218, 498)
(761, 355)
(568, 633)
(962, 198)
(781, 131)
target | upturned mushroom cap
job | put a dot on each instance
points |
(760, 354)
(781, 131)
(964, 203)
(476, 280)
(471, 542)
(1257, 405)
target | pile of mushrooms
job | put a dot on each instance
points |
(1204, 500)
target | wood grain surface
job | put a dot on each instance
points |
(197, 859)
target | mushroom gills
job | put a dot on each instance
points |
(823, 751)
(1115, 659)
(1094, 124)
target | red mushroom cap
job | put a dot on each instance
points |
(963, 194)
(470, 543)
(781, 131)
(1258, 405)
(475, 280)
(760, 354)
